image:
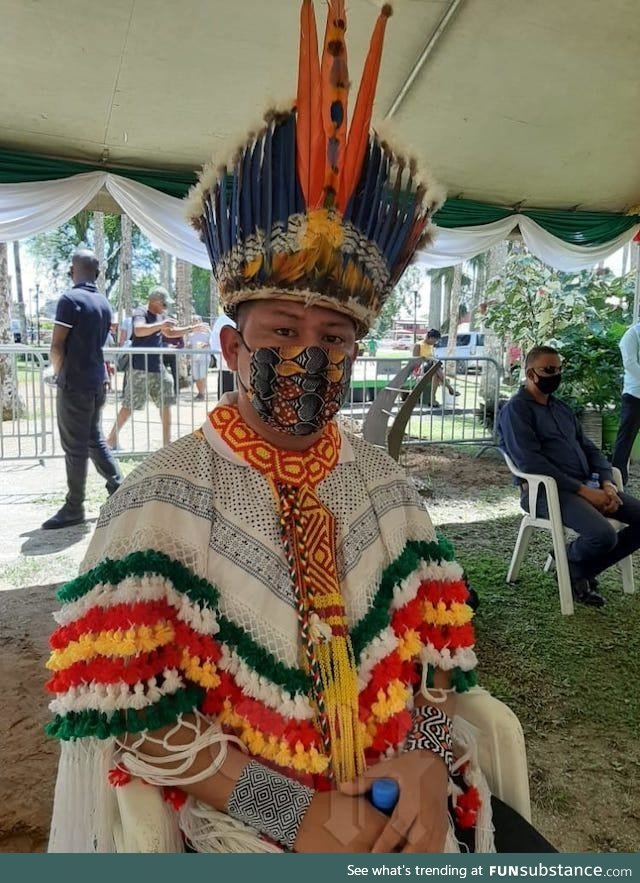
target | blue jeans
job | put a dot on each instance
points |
(598, 545)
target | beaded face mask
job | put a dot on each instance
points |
(297, 390)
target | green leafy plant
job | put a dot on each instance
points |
(592, 375)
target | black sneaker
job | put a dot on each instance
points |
(585, 594)
(64, 518)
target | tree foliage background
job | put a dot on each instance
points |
(52, 252)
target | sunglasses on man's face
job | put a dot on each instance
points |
(548, 370)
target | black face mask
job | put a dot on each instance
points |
(548, 383)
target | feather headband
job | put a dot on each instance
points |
(311, 207)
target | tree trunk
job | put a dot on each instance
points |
(126, 257)
(20, 293)
(214, 299)
(494, 346)
(625, 259)
(165, 270)
(11, 405)
(98, 247)
(184, 307)
(479, 283)
(435, 302)
(455, 296)
(448, 285)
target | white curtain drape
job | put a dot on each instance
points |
(27, 209)
(463, 243)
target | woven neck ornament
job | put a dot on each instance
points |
(308, 533)
(314, 207)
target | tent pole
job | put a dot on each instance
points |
(426, 52)
(636, 295)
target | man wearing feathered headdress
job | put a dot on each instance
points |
(265, 621)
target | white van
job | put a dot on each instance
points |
(469, 346)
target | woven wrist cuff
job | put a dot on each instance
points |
(431, 731)
(272, 804)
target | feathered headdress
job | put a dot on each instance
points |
(308, 208)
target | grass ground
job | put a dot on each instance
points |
(572, 681)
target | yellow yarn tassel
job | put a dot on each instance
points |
(340, 689)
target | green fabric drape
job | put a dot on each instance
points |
(578, 228)
(17, 167)
(575, 227)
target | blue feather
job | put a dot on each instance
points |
(402, 231)
(279, 175)
(246, 226)
(366, 187)
(212, 238)
(267, 186)
(223, 214)
(289, 143)
(235, 202)
(256, 172)
(376, 201)
(395, 212)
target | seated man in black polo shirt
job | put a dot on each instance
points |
(542, 435)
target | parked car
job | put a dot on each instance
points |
(468, 347)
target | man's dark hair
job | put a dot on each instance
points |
(85, 261)
(536, 351)
(433, 332)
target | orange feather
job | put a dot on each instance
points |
(361, 122)
(309, 129)
(335, 90)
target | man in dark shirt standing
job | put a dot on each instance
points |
(83, 317)
(542, 436)
(149, 377)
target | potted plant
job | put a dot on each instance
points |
(592, 375)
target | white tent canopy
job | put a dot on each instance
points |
(512, 102)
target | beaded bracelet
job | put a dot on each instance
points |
(431, 731)
(270, 803)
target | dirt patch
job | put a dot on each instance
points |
(451, 472)
(28, 758)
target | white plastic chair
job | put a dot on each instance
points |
(142, 823)
(558, 535)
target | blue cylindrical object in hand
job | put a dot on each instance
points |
(384, 795)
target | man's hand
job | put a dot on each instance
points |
(420, 819)
(598, 498)
(614, 500)
(337, 823)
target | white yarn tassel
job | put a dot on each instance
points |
(84, 805)
(172, 769)
(466, 751)
(207, 830)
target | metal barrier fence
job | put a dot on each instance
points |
(448, 401)
(464, 416)
(30, 431)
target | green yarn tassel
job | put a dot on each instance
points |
(378, 616)
(77, 725)
(144, 563)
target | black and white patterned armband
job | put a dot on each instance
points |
(271, 803)
(431, 731)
